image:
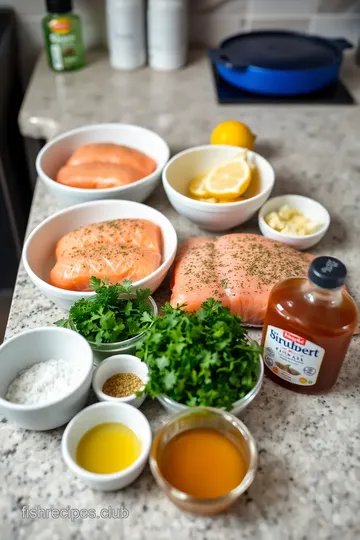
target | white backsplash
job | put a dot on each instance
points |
(210, 20)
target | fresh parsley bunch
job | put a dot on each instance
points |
(115, 313)
(204, 358)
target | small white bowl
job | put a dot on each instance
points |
(98, 414)
(39, 249)
(188, 164)
(310, 208)
(30, 347)
(56, 152)
(239, 406)
(121, 363)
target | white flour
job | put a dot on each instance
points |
(44, 382)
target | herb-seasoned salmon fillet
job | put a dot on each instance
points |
(238, 269)
(114, 262)
(136, 232)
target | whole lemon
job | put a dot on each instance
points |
(233, 133)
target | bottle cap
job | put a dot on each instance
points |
(59, 6)
(327, 272)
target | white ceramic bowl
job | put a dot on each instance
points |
(98, 414)
(183, 167)
(30, 347)
(174, 407)
(56, 152)
(39, 248)
(310, 208)
(121, 363)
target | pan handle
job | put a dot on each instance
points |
(342, 43)
(217, 56)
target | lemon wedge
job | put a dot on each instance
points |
(197, 187)
(230, 180)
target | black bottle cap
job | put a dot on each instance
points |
(59, 6)
(327, 272)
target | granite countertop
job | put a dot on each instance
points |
(308, 482)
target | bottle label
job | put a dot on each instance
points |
(63, 45)
(61, 26)
(291, 357)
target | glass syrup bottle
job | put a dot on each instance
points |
(308, 327)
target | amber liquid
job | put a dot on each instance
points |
(328, 318)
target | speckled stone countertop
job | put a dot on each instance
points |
(308, 483)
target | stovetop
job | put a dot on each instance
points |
(336, 94)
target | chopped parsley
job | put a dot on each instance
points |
(204, 358)
(115, 313)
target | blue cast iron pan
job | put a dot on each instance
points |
(279, 63)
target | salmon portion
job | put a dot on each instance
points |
(115, 250)
(134, 232)
(195, 274)
(114, 262)
(98, 175)
(113, 153)
(237, 269)
(105, 165)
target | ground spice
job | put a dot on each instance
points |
(122, 385)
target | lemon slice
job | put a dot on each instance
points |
(197, 186)
(207, 199)
(230, 180)
(225, 201)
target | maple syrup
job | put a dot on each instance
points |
(308, 327)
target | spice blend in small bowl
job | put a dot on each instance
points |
(122, 385)
(121, 378)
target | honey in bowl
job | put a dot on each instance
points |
(203, 463)
(108, 448)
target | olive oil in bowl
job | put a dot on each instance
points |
(108, 448)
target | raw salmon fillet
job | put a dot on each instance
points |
(136, 232)
(97, 175)
(114, 262)
(237, 269)
(113, 153)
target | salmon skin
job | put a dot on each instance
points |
(115, 250)
(237, 269)
(136, 232)
(104, 166)
(114, 262)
